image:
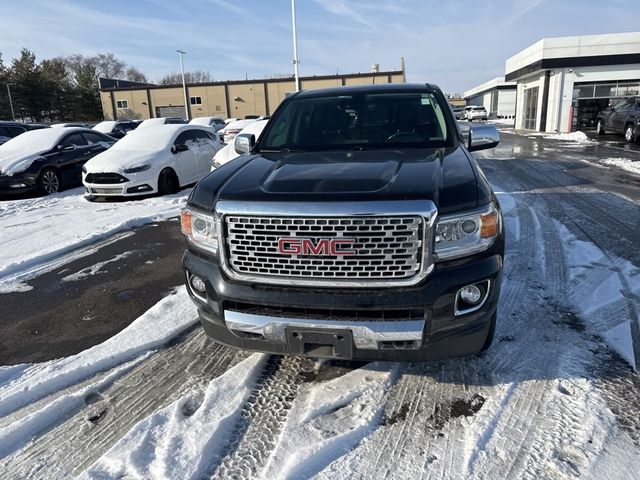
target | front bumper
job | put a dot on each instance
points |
(438, 334)
(136, 185)
(16, 184)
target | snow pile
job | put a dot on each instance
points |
(181, 440)
(602, 288)
(623, 163)
(36, 232)
(155, 327)
(575, 137)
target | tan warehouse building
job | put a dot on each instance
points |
(131, 100)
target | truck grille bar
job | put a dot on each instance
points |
(383, 249)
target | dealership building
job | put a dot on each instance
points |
(563, 82)
(131, 100)
(497, 96)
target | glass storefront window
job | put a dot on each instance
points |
(606, 90)
(583, 91)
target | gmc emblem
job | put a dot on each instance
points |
(324, 246)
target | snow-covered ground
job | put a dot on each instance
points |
(38, 232)
(531, 407)
(573, 137)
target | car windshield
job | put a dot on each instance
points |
(34, 140)
(153, 138)
(105, 127)
(359, 121)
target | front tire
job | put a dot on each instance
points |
(168, 182)
(600, 127)
(49, 181)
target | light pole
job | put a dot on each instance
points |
(13, 115)
(184, 85)
(295, 45)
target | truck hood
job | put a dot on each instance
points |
(444, 176)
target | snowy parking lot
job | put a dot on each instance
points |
(556, 396)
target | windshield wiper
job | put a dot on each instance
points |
(283, 150)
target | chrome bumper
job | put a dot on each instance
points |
(366, 335)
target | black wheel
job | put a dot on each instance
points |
(600, 127)
(49, 181)
(168, 182)
(492, 331)
(630, 134)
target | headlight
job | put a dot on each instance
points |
(464, 234)
(139, 168)
(200, 229)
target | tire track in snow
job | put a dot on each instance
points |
(262, 418)
(188, 363)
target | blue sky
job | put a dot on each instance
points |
(453, 43)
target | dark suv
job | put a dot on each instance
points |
(623, 117)
(357, 226)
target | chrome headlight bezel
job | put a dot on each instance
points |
(463, 234)
(200, 228)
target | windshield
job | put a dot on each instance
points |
(34, 140)
(153, 138)
(359, 120)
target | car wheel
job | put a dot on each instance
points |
(168, 182)
(629, 134)
(49, 181)
(492, 331)
(600, 128)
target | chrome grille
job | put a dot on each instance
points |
(385, 247)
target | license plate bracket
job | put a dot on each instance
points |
(323, 342)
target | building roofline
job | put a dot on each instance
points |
(565, 62)
(257, 80)
(497, 83)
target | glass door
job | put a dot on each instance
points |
(530, 108)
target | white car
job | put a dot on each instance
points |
(217, 123)
(158, 159)
(234, 128)
(228, 152)
(475, 113)
(151, 122)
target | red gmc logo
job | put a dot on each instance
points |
(306, 246)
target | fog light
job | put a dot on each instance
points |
(198, 284)
(470, 294)
(18, 185)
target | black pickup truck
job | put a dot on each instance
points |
(358, 226)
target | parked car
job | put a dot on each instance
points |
(358, 226)
(116, 129)
(229, 152)
(150, 122)
(9, 130)
(157, 159)
(623, 117)
(66, 125)
(48, 159)
(233, 128)
(459, 113)
(217, 123)
(475, 112)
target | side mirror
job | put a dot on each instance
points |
(482, 137)
(181, 147)
(244, 142)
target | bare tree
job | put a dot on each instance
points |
(135, 75)
(197, 76)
